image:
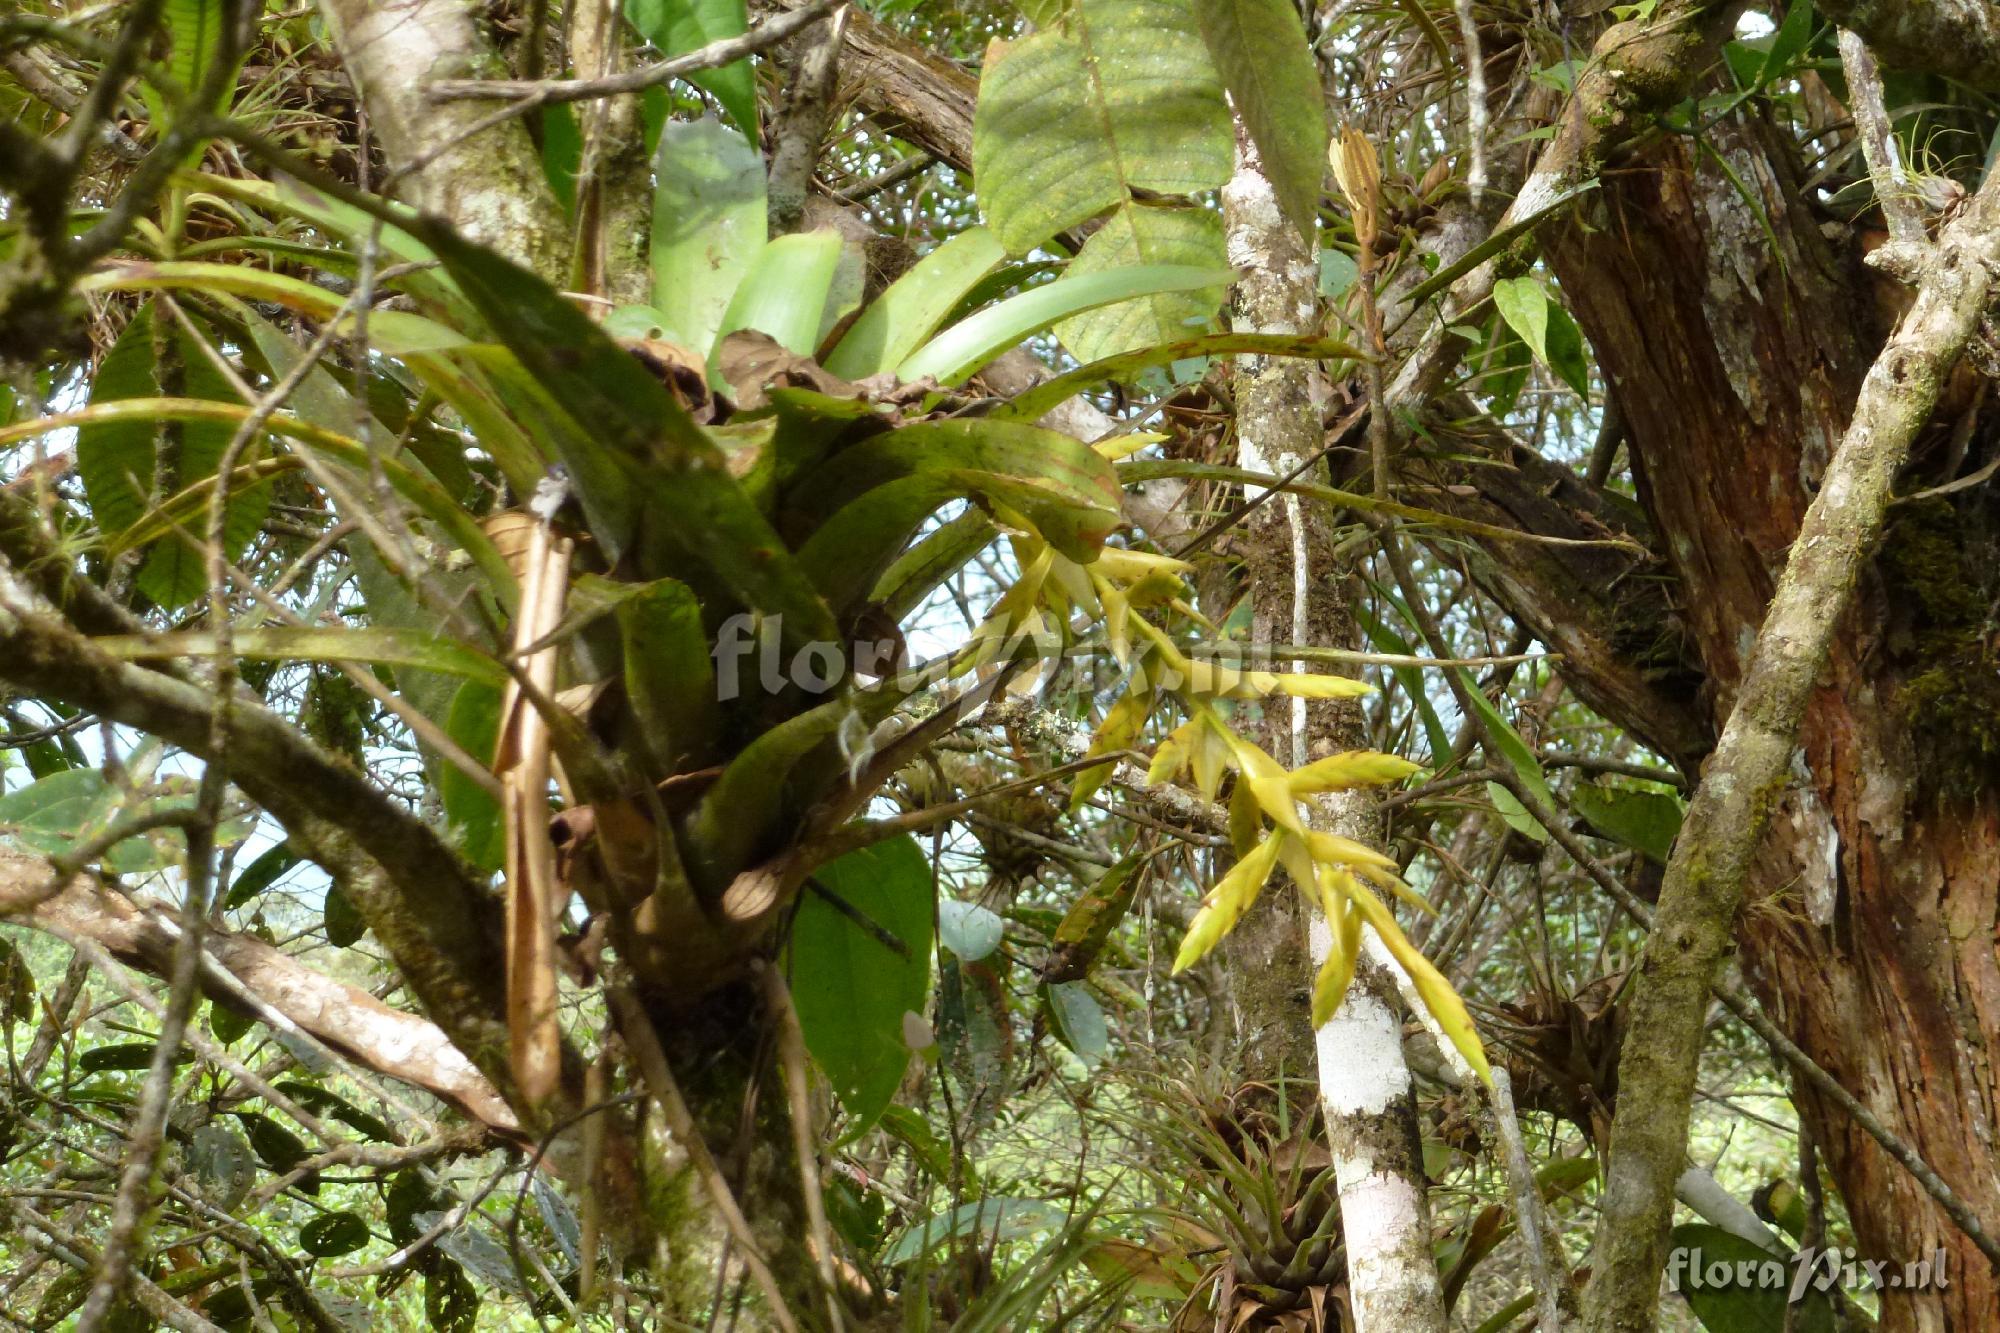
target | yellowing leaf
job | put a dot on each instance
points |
(1121, 726)
(1320, 687)
(1172, 756)
(1432, 988)
(1336, 971)
(1123, 446)
(1385, 879)
(1275, 795)
(1226, 903)
(1332, 849)
(1211, 756)
(1355, 768)
(1246, 819)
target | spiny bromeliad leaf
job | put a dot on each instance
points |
(1121, 96)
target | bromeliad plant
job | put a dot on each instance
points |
(557, 519)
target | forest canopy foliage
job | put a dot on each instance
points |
(1089, 664)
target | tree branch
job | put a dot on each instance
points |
(1704, 881)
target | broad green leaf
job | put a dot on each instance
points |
(646, 472)
(331, 1234)
(963, 348)
(1737, 1305)
(115, 458)
(677, 27)
(1261, 51)
(969, 930)
(1646, 821)
(341, 919)
(1077, 1019)
(470, 812)
(1043, 398)
(175, 571)
(194, 45)
(862, 505)
(1337, 272)
(126, 1055)
(1524, 304)
(996, 1217)
(1070, 121)
(708, 225)
(1085, 929)
(850, 988)
(321, 1102)
(277, 1147)
(562, 152)
(1546, 328)
(785, 291)
(1135, 236)
(898, 321)
(1567, 356)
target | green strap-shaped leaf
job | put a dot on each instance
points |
(1139, 235)
(669, 675)
(645, 464)
(955, 354)
(708, 225)
(1033, 404)
(679, 26)
(785, 292)
(898, 321)
(1261, 51)
(427, 651)
(863, 505)
(1122, 96)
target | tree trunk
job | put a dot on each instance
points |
(1869, 927)
(1298, 597)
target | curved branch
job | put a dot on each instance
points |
(238, 967)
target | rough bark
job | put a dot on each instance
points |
(1297, 597)
(910, 92)
(1737, 367)
(1957, 38)
(488, 183)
